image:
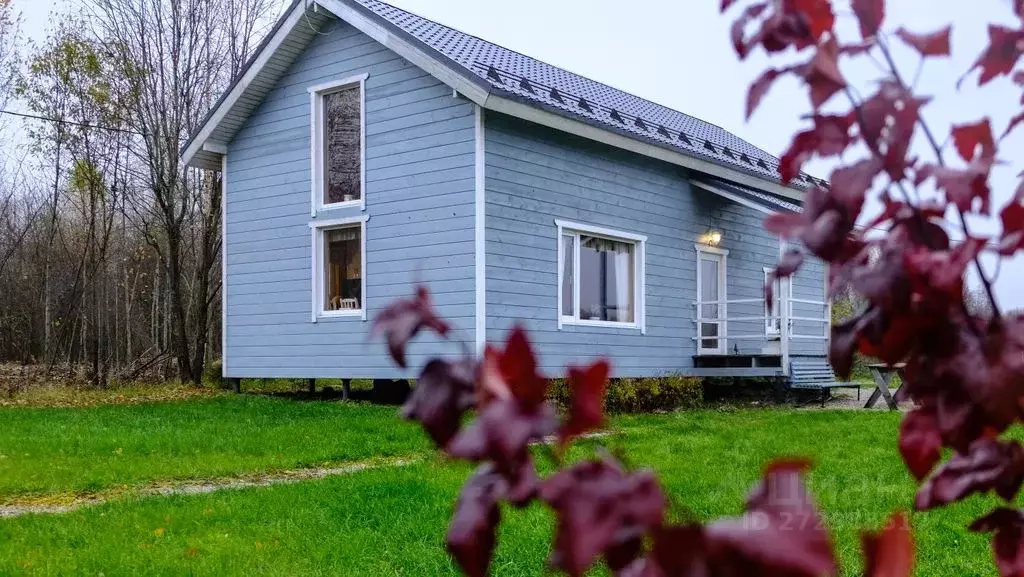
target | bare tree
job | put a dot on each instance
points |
(176, 55)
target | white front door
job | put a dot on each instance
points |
(711, 296)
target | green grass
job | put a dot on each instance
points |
(96, 448)
(392, 521)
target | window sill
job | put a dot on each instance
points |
(353, 314)
(357, 203)
(598, 324)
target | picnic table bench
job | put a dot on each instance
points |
(882, 375)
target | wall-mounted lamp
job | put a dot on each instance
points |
(711, 238)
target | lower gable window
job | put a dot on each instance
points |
(339, 268)
(601, 276)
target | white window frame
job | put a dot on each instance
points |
(639, 243)
(318, 228)
(723, 316)
(769, 330)
(317, 148)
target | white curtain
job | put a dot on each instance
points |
(623, 272)
(613, 298)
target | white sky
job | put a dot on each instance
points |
(678, 53)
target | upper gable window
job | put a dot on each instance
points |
(339, 143)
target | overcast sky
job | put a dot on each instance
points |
(678, 53)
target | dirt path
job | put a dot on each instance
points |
(65, 503)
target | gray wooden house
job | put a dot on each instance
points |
(365, 149)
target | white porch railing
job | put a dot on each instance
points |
(772, 328)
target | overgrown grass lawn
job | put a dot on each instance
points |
(391, 521)
(88, 449)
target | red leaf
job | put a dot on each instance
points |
(403, 320)
(989, 465)
(501, 433)
(887, 122)
(800, 150)
(890, 553)
(829, 137)
(819, 15)
(850, 184)
(512, 373)
(1012, 217)
(780, 534)
(870, 14)
(726, 4)
(1008, 543)
(760, 87)
(739, 43)
(1001, 55)
(932, 44)
(443, 393)
(785, 224)
(789, 264)
(787, 267)
(963, 186)
(1016, 120)
(473, 530)
(968, 137)
(833, 133)
(920, 442)
(943, 270)
(587, 410)
(601, 509)
(822, 74)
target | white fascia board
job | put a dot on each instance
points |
(455, 79)
(216, 147)
(590, 132)
(733, 197)
(197, 144)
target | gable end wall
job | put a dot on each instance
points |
(420, 155)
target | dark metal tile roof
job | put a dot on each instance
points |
(532, 80)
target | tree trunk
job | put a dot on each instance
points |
(176, 301)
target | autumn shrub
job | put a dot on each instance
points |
(633, 395)
(213, 374)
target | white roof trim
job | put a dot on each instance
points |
(436, 68)
(239, 88)
(460, 80)
(733, 197)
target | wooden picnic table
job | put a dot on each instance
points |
(882, 374)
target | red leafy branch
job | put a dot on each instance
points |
(604, 512)
(964, 373)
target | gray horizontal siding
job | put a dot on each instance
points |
(419, 197)
(535, 175)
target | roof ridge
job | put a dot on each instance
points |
(577, 74)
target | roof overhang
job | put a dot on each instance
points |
(282, 46)
(298, 27)
(754, 198)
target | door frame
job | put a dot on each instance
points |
(721, 255)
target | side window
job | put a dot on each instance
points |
(601, 276)
(338, 126)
